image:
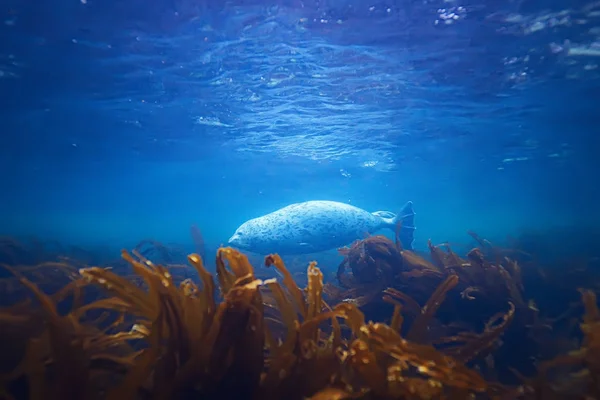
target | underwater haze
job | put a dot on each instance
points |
(123, 120)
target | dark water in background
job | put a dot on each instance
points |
(123, 120)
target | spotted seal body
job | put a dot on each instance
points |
(315, 226)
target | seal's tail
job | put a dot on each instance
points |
(406, 217)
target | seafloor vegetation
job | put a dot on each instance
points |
(502, 323)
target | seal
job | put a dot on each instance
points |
(318, 225)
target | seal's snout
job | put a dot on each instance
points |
(234, 239)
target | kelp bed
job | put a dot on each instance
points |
(456, 329)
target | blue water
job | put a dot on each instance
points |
(125, 120)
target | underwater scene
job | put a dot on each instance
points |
(300, 199)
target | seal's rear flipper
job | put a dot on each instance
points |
(406, 217)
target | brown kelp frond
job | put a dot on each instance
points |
(129, 296)
(241, 339)
(368, 268)
(50, 276)
(424, 358)
(205, 307)
(304, 347)
(73, 347)
(485, 284)
(382, 362)
(198, 240)
(359, 295)
(149, 249)
(467, 345)
(189, 338)
(373, 264)
(414, 263)
(10, 250)
(444, 259)
(289, 282)
(418, 330)
(167, 338)
(332, 393)
(502, 279)
(423, 315)
(494, 252)
(202, 336)
(65, 349)
(43, 269)
(579, 370)
(233, 268)
(370, 261)
(408, 302)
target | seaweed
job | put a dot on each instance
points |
(581, 366)
(230, 335)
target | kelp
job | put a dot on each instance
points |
(51, 276)
(177, 323)
(198, 239)
(375, 361)
(465, 346)
(581, 366)
(392, 267)
(367, 267)
(418, 330)
(487, 280)
(234, 336)
(58, 361)
(192, 344)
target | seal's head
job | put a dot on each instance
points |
(241, 239)
(236, 240)
(253, 236)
